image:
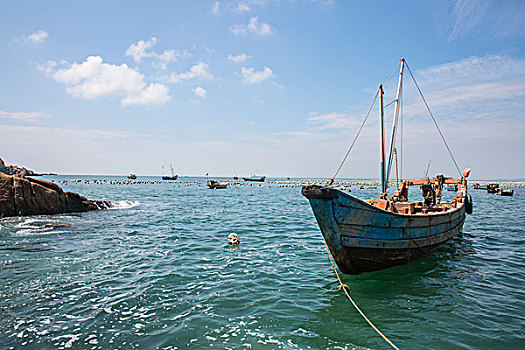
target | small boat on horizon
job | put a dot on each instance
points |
(172, 177)
(493, 188)
(215, 185)
(477, 186)
(374, 234)
(255, 178)
(132, 176)
(503, 192)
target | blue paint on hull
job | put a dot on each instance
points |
(362, 237)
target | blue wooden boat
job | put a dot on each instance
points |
(376, 234)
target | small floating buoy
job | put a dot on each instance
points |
(233, 239)
(56, 224)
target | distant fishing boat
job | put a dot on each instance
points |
(493, 188)
(370, 235)
(255, 178)
(503, 192)
(132, 176)
(215, 185)
(479, 187)
(172, 177)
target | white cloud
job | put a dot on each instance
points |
(254, 77)
(199, 70)
(243, 7)
(154, 93)
(35, 37)
(253, 27)
(216, 7)
(26, 117)
(200, 92)
(141, 50)
(238, 58)
(94, 79)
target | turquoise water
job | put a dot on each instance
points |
(157, 273)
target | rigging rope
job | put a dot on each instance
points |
(346, 289)
(434, 119)
(331, 181)
(391, 75)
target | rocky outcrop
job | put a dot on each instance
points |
(15, 170)
(27, 196)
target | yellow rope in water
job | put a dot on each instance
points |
(346, 290)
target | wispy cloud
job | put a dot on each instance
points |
(26, 117)
(34, 38)
(243, 7)
(38, 133)
(473, 88)
(253, 27)
(332, 120)
(141, 49)
(242, 57)
(216, 7)
(252, 76)
(197, 71)
(497, 19)
(93, 79)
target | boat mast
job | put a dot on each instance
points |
(396, 117)
(382, 142)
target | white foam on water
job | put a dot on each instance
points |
(124, 204)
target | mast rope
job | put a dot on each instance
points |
(391, 75)
(346, 289)
(331, 181)
(434, 119)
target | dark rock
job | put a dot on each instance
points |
(27, 196)
(15, 170)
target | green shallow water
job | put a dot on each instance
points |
(158, 273)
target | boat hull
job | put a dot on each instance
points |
(170, 177)
(363, 238)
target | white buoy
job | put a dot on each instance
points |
(233, 239)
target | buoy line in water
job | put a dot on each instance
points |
(346, 289)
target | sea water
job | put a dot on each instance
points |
(156, 271)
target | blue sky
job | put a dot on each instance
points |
(231, 87)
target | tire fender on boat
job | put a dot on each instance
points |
(468, 204)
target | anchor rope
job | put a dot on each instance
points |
(346, 289)
(434, 119)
